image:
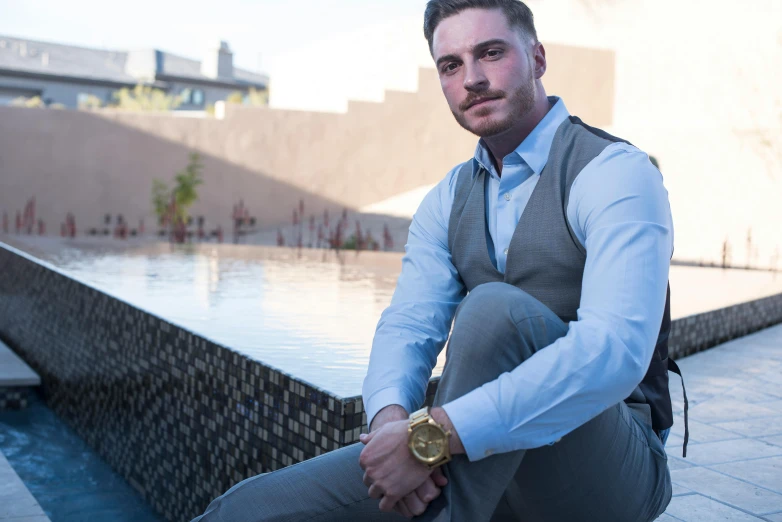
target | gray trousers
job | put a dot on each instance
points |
(612, 468)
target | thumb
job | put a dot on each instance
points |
(366, 437)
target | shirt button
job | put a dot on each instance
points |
(505, 251)
(507, 196)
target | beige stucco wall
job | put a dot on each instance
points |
(92, 163)
(697, 85)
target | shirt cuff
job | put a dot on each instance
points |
(478, 423)
(385, 397)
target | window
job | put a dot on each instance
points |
(185, 94)
(198, 97)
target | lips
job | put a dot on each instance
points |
(478, 102)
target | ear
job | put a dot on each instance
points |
(539, 60)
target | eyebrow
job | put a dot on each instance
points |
(482, 45)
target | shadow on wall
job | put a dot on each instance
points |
(103, 162)
(101, 171)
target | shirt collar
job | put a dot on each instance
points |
(535, 148)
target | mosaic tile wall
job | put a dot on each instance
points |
(14, 398)
(700, 332)
(182, 418)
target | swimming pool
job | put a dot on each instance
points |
(69, 480)
(307, 312)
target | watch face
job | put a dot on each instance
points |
(428, 442)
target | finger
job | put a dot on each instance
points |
(375, 491)
(427, 491)
(401, 508)
(415, 504)
(366, 437)
(387, 503)
(439, 477)
(367, 480)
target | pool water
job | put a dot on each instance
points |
(309, 313)
(68, 479)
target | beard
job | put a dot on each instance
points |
(520, 101)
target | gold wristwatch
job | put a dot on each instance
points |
(427, 440)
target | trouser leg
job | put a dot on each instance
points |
(325, 488)
(497, 328)
(611, 468)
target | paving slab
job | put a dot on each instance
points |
(774, 405)
(680, 490)
(709, 453)
(740, 393)
(729, 490)
(701, 432)
(714, 411)
(766, 473)
(666, 518)
(697, 508)
(765, 386)
(733, 469)
(777, 441)
(758, 427)
(675, 463)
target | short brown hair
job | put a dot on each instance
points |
(517, 13)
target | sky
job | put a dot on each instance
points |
(258, 31)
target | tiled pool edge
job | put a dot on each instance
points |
(183, 418)
(15, 398)
(180, 417)
(699, 332)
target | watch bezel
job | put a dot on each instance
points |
(428, 460)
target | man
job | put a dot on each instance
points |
(553, 403)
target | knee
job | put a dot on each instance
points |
(499, 303)
(488, 318)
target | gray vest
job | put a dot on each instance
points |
(545, 259)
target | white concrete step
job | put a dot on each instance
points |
(14, 372)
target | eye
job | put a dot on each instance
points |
(450, 67)
(493, 53)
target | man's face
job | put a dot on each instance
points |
(486, 70)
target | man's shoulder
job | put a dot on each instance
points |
(620, 170)
(622, 152)
(446, 187)
(439, 198)
(453, 174)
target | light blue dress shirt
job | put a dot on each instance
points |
(619, 211)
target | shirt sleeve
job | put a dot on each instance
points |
(413, 329)
(619, 210)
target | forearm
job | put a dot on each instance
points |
(391, 413)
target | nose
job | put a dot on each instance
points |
(474, 77)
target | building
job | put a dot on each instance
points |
(68, 75)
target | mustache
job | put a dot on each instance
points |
(472, 99)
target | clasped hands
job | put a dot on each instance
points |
(391, 473)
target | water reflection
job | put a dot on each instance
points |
(310, 313)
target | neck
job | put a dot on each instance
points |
(501, 145)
